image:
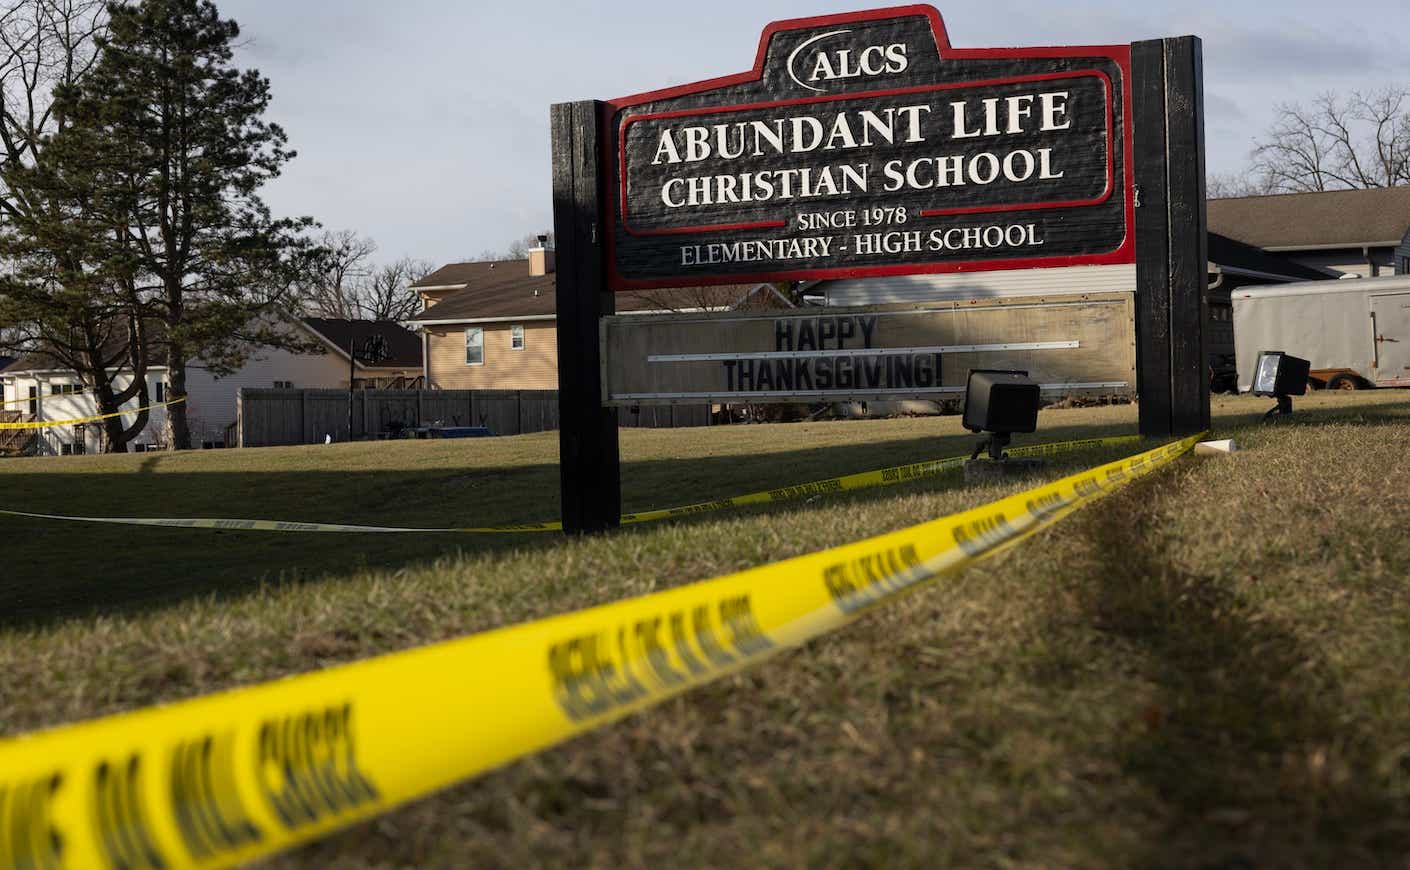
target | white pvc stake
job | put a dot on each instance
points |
(1212, 448)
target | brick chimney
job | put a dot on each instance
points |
(540, 259)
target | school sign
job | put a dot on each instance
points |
(864, 144)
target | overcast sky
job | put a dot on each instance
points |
(424, 123)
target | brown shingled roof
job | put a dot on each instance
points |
(33, 362)
(503, 293)
(1335, 218)
(465, 273)
(403, 345)
(507, 291)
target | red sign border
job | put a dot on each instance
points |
(1124, 253)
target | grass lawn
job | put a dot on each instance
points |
(1210, 668)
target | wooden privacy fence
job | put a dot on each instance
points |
(268, 418)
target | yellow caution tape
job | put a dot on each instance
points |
(867, 479)
(860, 480)
(230, 777)
(44, 424)
(273, 525)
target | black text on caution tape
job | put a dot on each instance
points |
(598, 672)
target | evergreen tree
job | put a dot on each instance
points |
(70, 300)
(176, 140)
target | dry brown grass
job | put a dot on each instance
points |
(1208, 669)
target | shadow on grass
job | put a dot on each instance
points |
(1248, 746)
(56, 570)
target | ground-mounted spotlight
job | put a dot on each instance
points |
(998, 404)
(1282, 376)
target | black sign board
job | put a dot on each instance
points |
(863, 144)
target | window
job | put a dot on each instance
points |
(65, 389)
(34, 401)
(283, 385)
(516, 337)
(161, 392)
(474, 346)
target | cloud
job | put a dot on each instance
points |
(1274, 51)
(1221, 108)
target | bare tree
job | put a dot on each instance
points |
(517, 250)
(349, 285)
(1232, 184)
(343, 268)
(387, 293)
(680, 300)
(58, 296)
(1338, 143)
(46, 46)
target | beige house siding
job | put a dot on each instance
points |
(533, 368)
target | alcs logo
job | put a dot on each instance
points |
(822, 65)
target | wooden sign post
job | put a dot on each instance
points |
(1172, 261)
(589, 463)
(864, 145)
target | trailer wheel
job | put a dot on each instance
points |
(1344, 382)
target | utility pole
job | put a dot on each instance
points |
(352, 366)
(374, 350)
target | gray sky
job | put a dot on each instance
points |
(424, 123)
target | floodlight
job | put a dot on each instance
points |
(1282, 376)
(999, 403)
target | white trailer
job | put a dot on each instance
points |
(1355, 332)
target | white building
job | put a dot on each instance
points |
(34, 389)
(37, 391)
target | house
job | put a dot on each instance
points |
(39, 388)
(400, 367)
(1352, 232)
(1232, 263)
(492, 325)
